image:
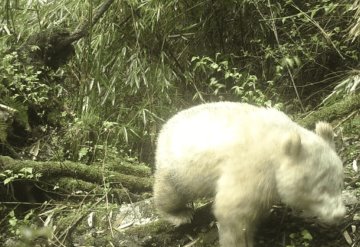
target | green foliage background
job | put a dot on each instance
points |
(146, 59)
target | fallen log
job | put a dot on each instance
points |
(141, 182)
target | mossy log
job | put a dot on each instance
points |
(51, 170)
(332, 112)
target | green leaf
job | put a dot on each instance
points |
(83, 151)
(195, 58)
(292, 235)
(13, 221)
(306, 235)
(27, 170)
(214, 66)
(213, 81)
(8, 180)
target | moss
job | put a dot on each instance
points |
(332, 112)
(91, 174)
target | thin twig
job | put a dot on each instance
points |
(287, 66)
(64, 234)
(105, 187)
(345, 119)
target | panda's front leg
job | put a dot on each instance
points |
(239, 205)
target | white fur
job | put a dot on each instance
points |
(246, 157)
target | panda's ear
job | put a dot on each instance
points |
(325, 131)
(292, 145)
